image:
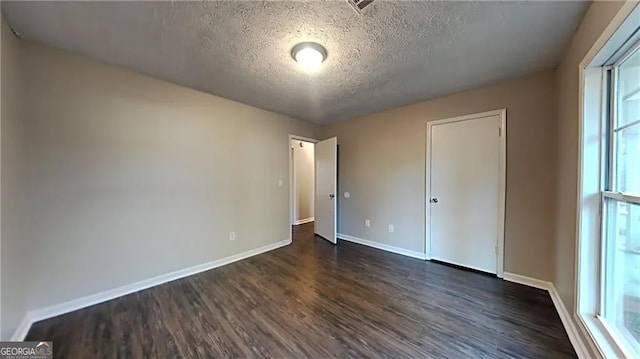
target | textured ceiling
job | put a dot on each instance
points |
(394, 53)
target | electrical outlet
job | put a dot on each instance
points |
(367, 223)
(391, 228)
(280, 183)
(232, 236)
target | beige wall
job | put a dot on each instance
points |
(123, 170)
(130, 177)
(382, 165)
(304, 177)
(14, 262)
(597, 18)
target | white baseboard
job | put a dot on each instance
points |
(565, 317)
(384, 247)
(72, 305)
(528, 281)
(23, 328)
(569, 324)
(303, 221)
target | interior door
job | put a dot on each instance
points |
(465, 185)
(326, 189)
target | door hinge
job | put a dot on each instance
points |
(499, 131)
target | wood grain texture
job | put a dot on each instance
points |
(315, 300)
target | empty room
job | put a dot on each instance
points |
(320, 179)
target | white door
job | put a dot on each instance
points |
(465, 192)
(326, 189)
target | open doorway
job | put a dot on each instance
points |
(313, 178)
(302, 181)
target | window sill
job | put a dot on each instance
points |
(594, 330)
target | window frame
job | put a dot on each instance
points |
(610, 190)
(613, 75)
(596, 164)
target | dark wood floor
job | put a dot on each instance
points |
(312, 299)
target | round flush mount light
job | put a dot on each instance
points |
(309, 54)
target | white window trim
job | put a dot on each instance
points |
(588, 224)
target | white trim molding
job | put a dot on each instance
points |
(73, 305)
(381, 246)
(567, 321)
(528, 281)
(23, 328)
(502, 180)
(303, 221)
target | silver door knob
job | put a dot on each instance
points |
(434, 200)
(332, 196)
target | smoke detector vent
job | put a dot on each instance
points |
(359, 5)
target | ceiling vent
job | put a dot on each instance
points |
(359, 5)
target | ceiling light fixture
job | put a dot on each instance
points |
(309, 54)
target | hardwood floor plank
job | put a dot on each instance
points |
(315, 300)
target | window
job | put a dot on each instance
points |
(620, 221)
(607, 297)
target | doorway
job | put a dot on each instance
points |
(303, 181)
(313, 185)
(465, 187)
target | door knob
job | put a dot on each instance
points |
(332, 196)
(434, 200)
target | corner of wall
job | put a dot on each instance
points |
(12, 284)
